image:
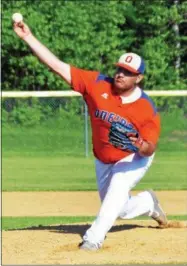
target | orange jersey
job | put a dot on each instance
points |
(104, 107)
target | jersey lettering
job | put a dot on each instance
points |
(97, 113)
(110, 117)
(103, 115)
(123, 122)
(116, 118)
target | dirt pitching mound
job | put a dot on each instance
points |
(77, 203)
(127, 242)
(177, 224)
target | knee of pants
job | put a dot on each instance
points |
(123, 212)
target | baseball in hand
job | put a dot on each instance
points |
(17, 17)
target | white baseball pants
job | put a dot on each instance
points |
(114, 184)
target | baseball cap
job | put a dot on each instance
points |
(132, 62)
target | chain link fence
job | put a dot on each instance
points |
(46, 125)
(61, 125)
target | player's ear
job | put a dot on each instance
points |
(139, 78)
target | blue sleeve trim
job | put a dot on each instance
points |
(104, 78)
(145, 96)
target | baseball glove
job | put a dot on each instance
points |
(119, 136)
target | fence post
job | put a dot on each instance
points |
(86, 128)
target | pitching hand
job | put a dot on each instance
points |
(22, 30)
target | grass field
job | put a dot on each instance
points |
(10, 223)
(51, 156)
(168, 172)
(65, 137)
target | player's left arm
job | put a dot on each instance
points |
(148, 137)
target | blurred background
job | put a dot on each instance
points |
(90, 35)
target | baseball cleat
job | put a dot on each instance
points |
(158, 214)
(86, 245)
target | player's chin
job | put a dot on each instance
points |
(119, 87)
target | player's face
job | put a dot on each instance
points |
(124, 80)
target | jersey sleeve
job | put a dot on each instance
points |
(81, 80)
(150, 131)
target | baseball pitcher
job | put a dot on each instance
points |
(125, 131)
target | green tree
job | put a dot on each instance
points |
(92, 35)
